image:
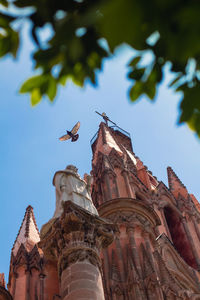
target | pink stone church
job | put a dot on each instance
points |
(118, 235)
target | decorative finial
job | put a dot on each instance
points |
(105, 117)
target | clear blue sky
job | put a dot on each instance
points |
(31, 153)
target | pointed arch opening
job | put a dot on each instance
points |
(179, 236)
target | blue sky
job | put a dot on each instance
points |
(31, 153)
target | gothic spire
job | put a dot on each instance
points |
(175, 184)
(28, 234)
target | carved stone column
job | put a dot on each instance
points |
(42, 277)
(74, 240)
(147, 237)
(127, 184)
(108, 190)
(196, 227)
(14, 285)
(27, 284)
(131, 234)
(190, 239)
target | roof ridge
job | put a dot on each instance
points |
(27, 218)
(30, 212)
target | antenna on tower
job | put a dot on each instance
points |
(105, 117)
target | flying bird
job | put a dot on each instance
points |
(71, 134)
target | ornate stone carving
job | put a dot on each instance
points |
(76, 236)
(130, 219)
(30, 260)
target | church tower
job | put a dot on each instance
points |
(119, 235)
(155, 253)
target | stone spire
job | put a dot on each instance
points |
(175, 184)
(108, 139)
(28, 234)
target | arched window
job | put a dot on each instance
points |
(179, 237)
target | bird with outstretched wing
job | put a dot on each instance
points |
(71, 134)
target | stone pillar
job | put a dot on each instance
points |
(119, 256)
(147, 237)
(116, 187)
(41, 276)
(196, 227)
(14, 285)
(108, 190)
(127, 184)
(81, 280)
(130, 231)
(106, 270)
(27, 284)
(75, 240)
(190, 239)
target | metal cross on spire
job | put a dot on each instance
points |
(106, 119)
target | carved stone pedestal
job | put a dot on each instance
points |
(74, 240)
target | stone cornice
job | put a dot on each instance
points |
(76, 236)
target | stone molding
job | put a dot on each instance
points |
(125, 210)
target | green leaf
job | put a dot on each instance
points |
(5, 20)
(186, 115)
(32, 83)
(63, 80)
(137, 74)
(150, 89)
(190, 104)
(4, 45)
(14, 43)
(194, 123)
(4, 3)
(136, 91)
(35, 97)
(52, 88)
(124, 23)
(9, 42)
(134, 61)
(173, 82)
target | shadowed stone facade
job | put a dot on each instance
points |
(122, 235)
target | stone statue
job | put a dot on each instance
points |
(70, 186)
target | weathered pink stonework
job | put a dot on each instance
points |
(74, 241)
(133, 238)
